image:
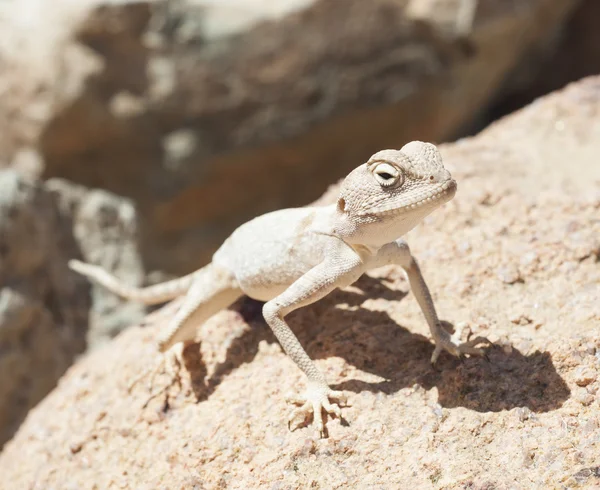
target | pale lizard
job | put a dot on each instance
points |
(293, 257)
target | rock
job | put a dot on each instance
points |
(585, 375)
(44, 306)
(520, 416)
(508, 274)
(105, 229)
(43, 312)
(583, 396)
(209, 113)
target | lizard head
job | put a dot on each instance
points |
(390, 194)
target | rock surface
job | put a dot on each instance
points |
(185, 106)
(44, 322)
(105, 229)
(43, 314)
(516, 255)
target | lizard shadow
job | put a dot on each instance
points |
(374, 343)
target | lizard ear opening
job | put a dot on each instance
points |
(341, 205)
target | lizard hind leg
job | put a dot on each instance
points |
(214, 288)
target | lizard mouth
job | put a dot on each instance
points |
(445, 191)
(434, 195)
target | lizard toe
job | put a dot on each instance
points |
(315, 400)
(453, 345)
(340, 396)
(303, 411)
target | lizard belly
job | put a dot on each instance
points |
(269, 253)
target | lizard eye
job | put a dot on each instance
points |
(387, 175)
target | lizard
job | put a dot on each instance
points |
(293, 257)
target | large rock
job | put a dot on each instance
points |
(516, 255)
(43, 314)
(105, 228)
(44, 322)
(209, 113)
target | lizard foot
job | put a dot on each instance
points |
(452, 344)
(314, 401)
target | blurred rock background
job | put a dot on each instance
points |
(139, 134)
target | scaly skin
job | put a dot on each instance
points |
(294, 257)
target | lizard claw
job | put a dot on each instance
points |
(453, 345)
(314, 401)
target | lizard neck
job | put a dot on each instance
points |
(330, 223)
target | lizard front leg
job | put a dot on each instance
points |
(398, 252)
(340, 268)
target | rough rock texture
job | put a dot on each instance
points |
(516, 255)
(207, 113)
(43, 313)
(105, 229)
(44, 307)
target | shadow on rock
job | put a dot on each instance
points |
(374, 343)
(506, 381)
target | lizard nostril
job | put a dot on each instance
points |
(341, 205)
(431, 178)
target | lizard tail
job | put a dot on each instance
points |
(158, 293)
